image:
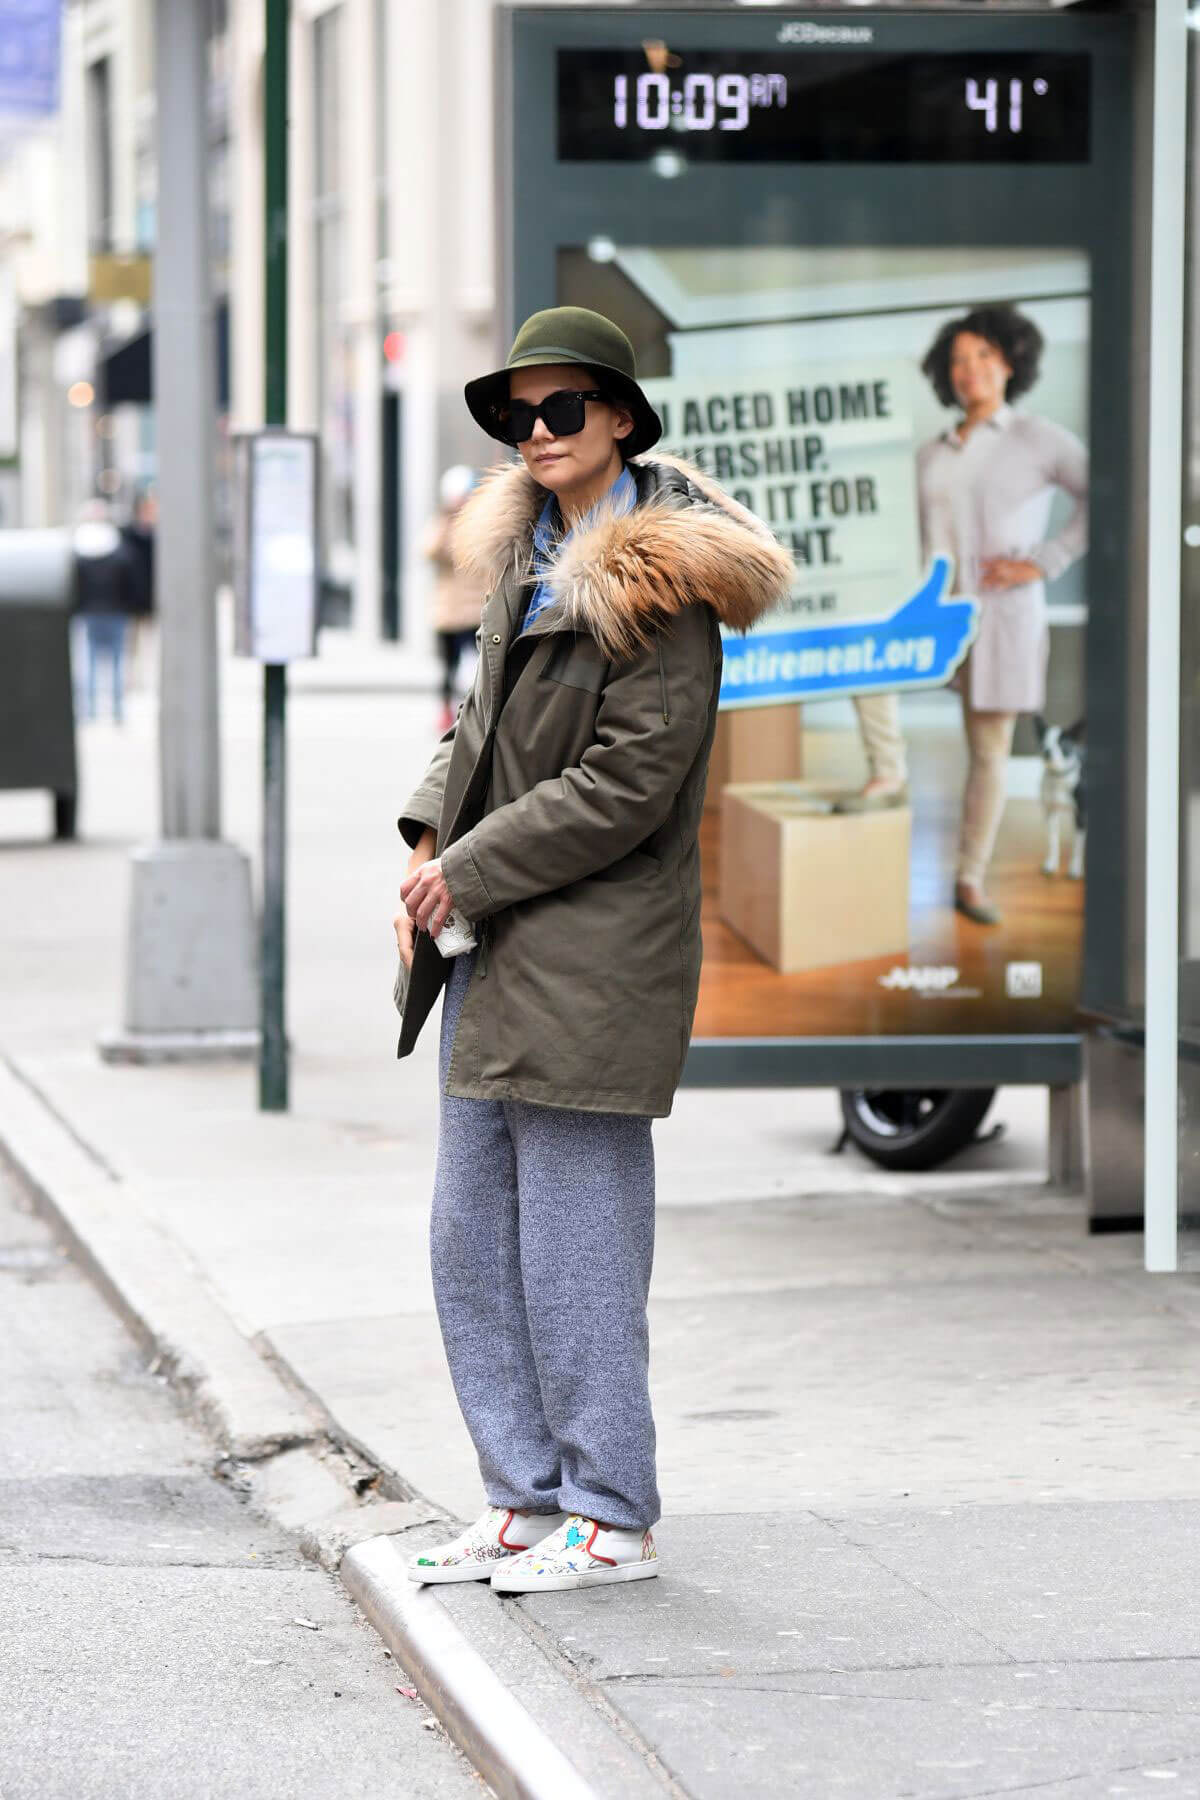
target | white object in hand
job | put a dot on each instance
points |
(457, 934)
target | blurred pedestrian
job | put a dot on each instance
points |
(139, 534)
(560, 817)
(106, 587)
(457, 595)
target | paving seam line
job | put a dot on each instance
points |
(485, 1719)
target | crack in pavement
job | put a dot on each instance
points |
(914, 1586)
(915, 1668)
(1033, 1787)
(268, 1562)
(1032, 1705)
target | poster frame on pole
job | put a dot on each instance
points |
(251, 638)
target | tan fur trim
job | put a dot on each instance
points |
(493, 523)
(628, 574)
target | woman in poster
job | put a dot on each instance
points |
(985, 489)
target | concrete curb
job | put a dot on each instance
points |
(510, 1701)
(282, 1446)
(511, 1751)
(149, 1281)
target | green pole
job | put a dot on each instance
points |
(275, 107)
(273, 1052)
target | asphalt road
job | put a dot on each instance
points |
(149, 1638)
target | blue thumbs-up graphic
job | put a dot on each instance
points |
(920, 645)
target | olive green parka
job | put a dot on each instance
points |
(567, 796)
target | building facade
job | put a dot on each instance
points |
(391, 300)
(390, 290)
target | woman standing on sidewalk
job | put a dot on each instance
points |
(560, 815)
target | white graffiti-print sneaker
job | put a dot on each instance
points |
(497, 1537)
(581, 1553)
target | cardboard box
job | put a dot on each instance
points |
(755, 743)
(807, 887)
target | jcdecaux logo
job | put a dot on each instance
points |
(804, 31)
(919, 645)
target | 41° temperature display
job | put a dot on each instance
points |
(824, 106)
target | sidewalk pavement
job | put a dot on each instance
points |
(929, 1454)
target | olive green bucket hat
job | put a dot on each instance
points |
(571, 334)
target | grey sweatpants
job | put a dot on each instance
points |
(542, 1237)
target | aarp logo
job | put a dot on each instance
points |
(931, 979)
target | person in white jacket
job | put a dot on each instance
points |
(985, 489)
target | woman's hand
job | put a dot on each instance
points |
(428, 899)
(405, 936)
(1009, 572)
(402, 924)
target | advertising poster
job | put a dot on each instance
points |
(893, 836)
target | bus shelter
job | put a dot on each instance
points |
(807, 224)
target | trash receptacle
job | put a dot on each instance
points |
(37, 705)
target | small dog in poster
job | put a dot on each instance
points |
(1064, 792)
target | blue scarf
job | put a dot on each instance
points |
(621, 498)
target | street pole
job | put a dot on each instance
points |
(185, 388)
(189, 987)
(273, 1053)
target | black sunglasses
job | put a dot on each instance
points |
(564, 412)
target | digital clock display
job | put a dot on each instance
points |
(823, 106)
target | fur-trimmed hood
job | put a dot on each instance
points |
(626, 574)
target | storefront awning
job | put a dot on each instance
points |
(124, 371)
